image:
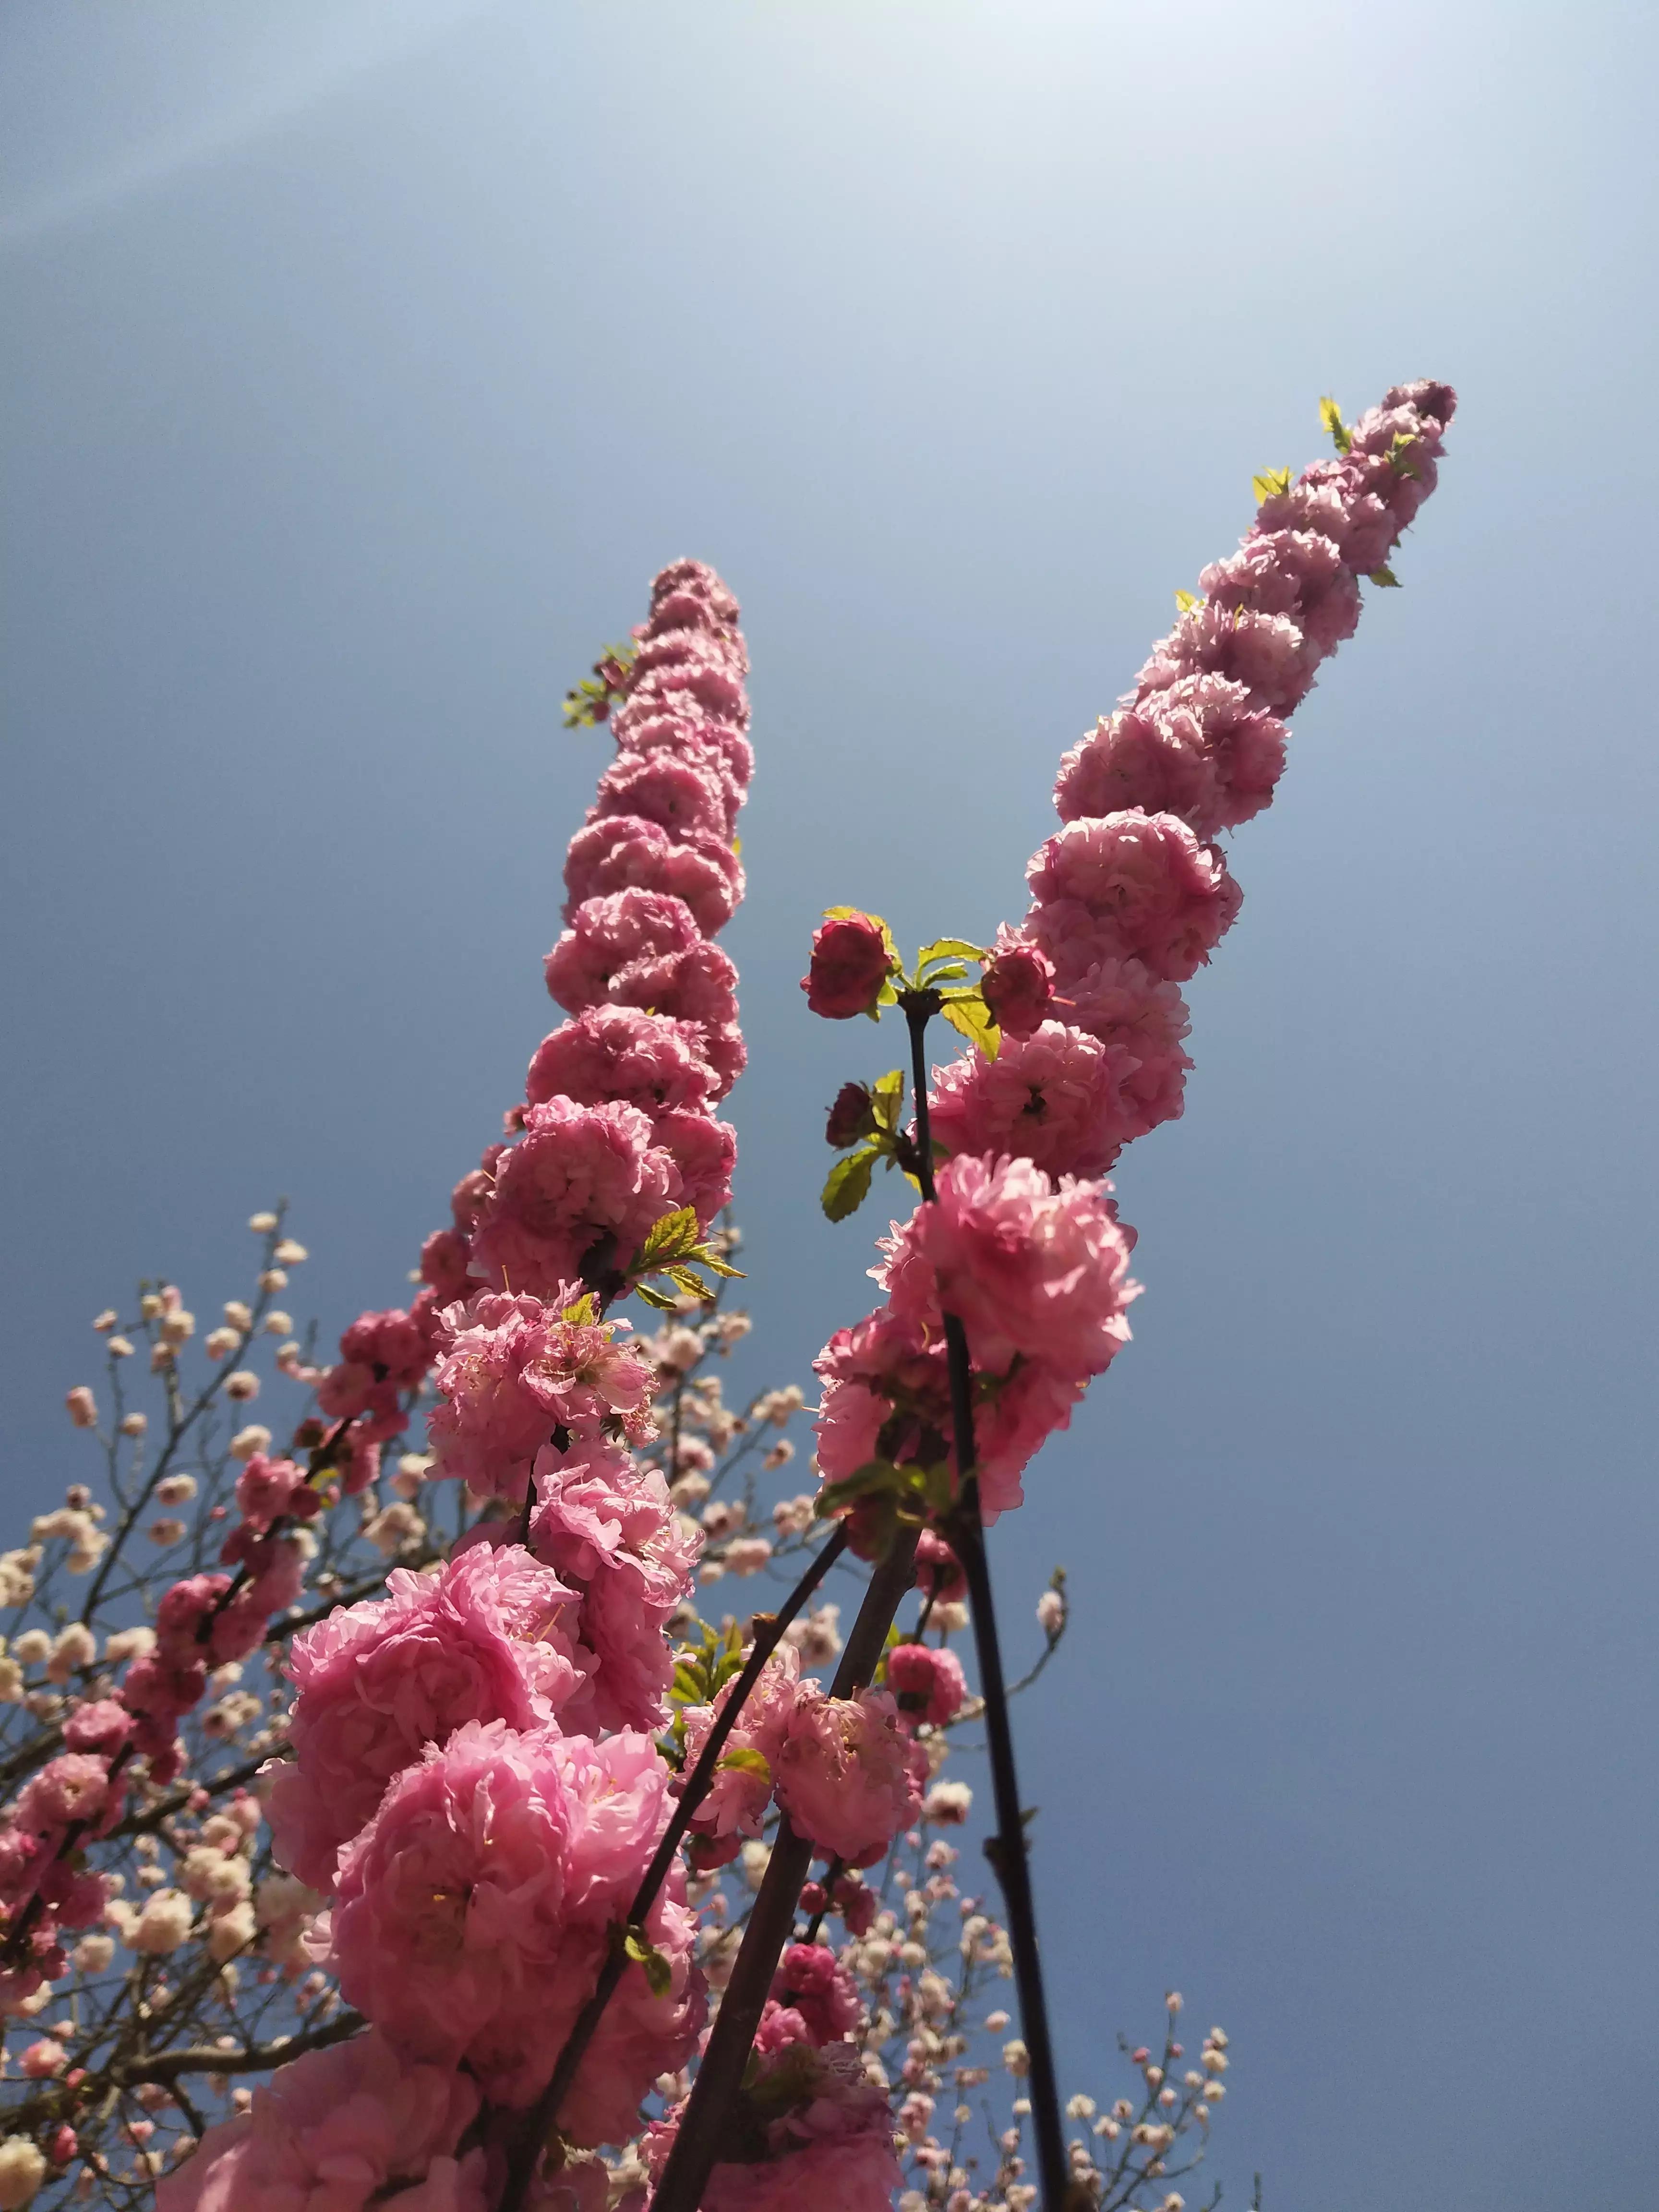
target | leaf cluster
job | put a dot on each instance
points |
(675, 1247)
(589, 701)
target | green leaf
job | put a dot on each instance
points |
(1186, 601)
(875, 1476)
(887, 1099)
(674, 1237)
(584, 1312)
(1401, 455)
(1384, 576)
(707, 1259)
(949, 948)
(1270, 483)
(688, 1280)
(687, 1687)
(1331, 415)
(654, 1298)
(847, 1185)
(747, 1762)
(948, 971)
(658, 1974)
(969, 1015)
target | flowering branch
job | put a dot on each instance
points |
(966, 1534)
(704, 2127)
(768, 1631)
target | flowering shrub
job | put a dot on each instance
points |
(384, 1823)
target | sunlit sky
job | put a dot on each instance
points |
(363, 362)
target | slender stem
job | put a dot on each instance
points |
(703, 2125)
(545, 2110)
(1007, 1850)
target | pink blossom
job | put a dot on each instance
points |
(649, 727)
(886, 1394)
(475, 1911)
(1132, 885)
(690, 788)
(1017, 984)
(190, 1605)
(816, 2130)
(72, 1790)
(740, 1792)
(608, 1526)
(1055, 1098)
(334, 2131)
(1268, 654)
(1119, 1002)
(663, 645)
(705, 681)
(643, 949)
(265, 1488)
(927, 1681)
(489, 1636)
(443, 1264)
(102, 1724)
(614, 933)
(850, 963)
(513, 1371)
(582, 1186)
(274, 1575)
(689, 595)
(1036, 1270)
(1134, 758)
(938, 1571)
(392, 1345)
(623, 851)
(814, 1984)
(1241, 742)
(1299, 572)
(843, 1777)
(705, 1152)
(647, 1061)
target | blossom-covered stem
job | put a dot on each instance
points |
(703, 2127)
(545, 2114)
(17, 1934)
(967, 1533)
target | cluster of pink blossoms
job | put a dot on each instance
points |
(475, 1786)
(1130, 899)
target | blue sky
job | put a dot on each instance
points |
(364, 361)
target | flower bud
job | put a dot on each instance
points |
(1017, 986)
(851, 961)
(82, 1407)
(851, 1117)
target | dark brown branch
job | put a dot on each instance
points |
(703, 2125)
(697, 1785)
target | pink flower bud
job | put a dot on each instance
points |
(82, 1407)
(850, 1117)
(1017, 985)
(850, 963)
